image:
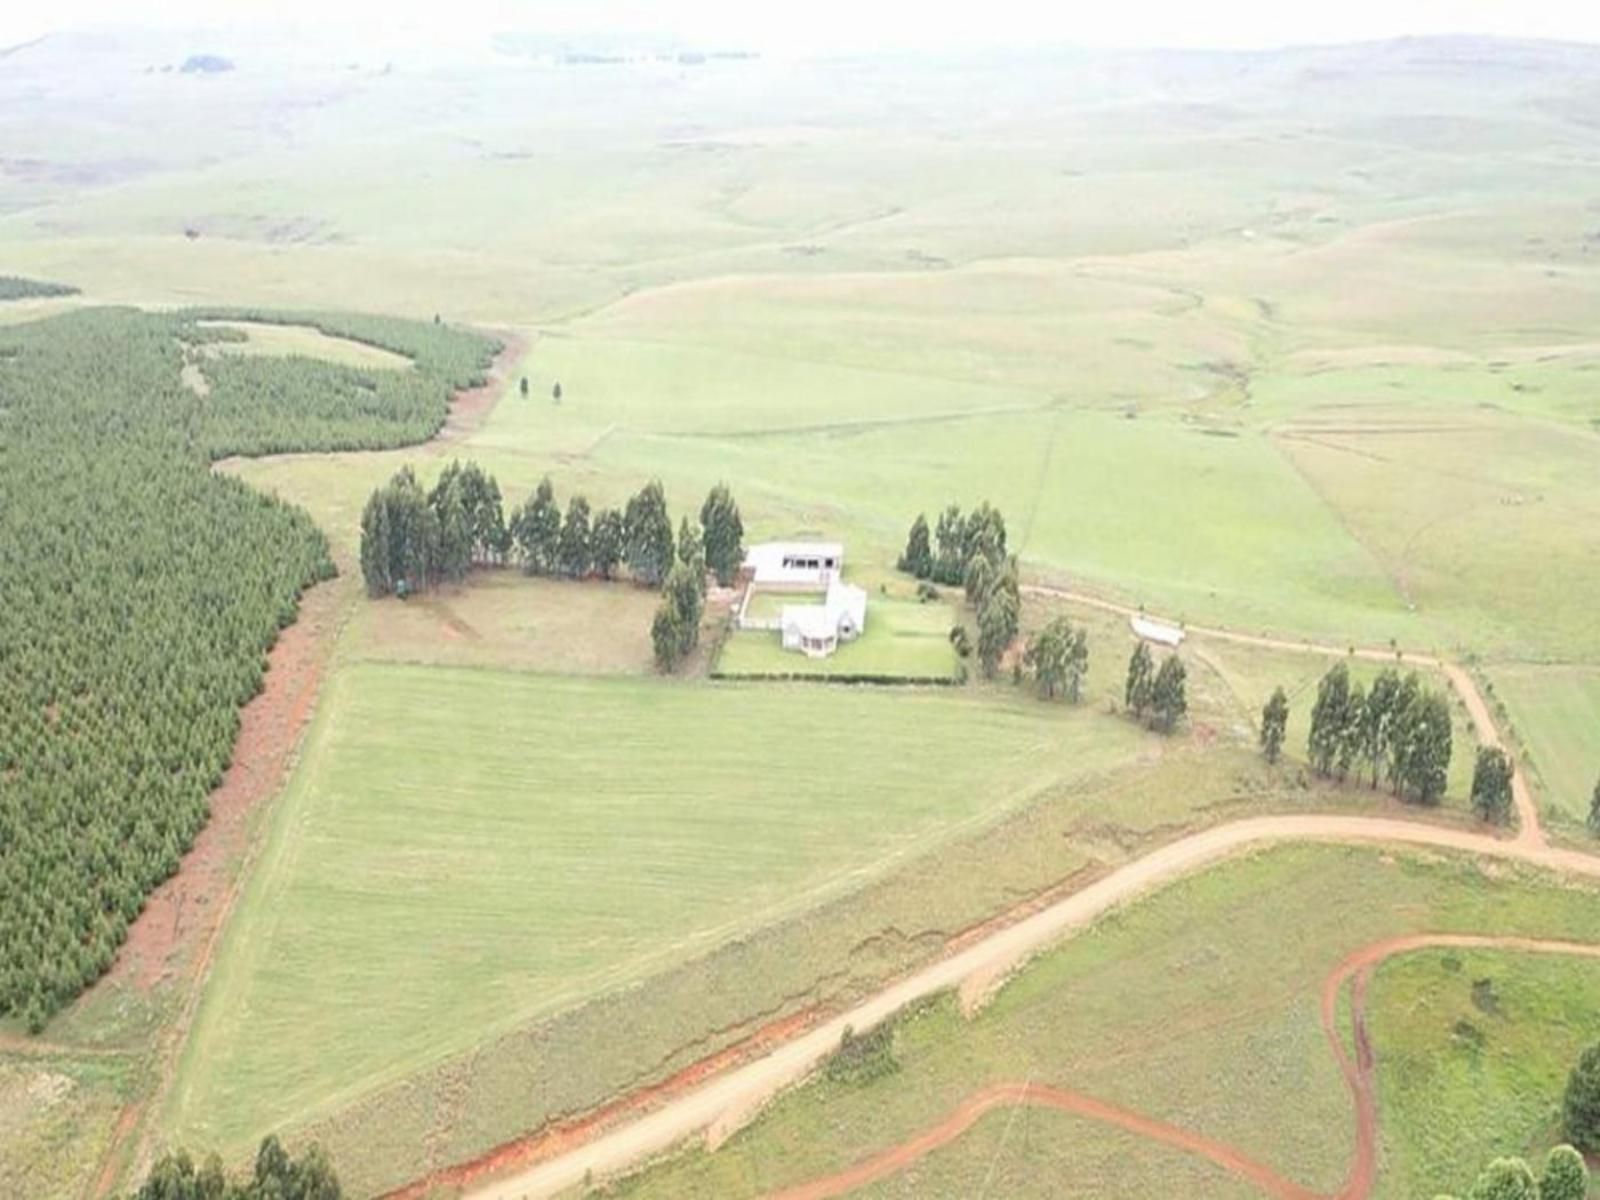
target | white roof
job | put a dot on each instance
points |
(778, 551)
(1156, 631)
(822, 620)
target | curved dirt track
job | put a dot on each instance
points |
(977, 969)
(1528, 829)
(1358, 1075)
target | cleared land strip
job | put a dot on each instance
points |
(727, 1102)
(1529, 830)
(1358, 1075)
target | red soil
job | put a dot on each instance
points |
(559, 1137)
(1358, 1073)
(469, 409)
(185, 911)
(175, 935)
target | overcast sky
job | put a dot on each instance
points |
(865, 24)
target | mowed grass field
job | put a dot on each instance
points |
(461, 850)
(1197, 1006)
(1556, 710)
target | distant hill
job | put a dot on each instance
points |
(206, 64)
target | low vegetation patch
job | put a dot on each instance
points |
(15, 287)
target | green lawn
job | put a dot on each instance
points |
(1474, 1047)
(902, 640)
(1198, 1006)
(769, 606)
(1556, 710)
(461, 850)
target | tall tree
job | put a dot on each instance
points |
(980, 575)
(1565, 1175)
(455, 533)
(918, 557)
(1048, 656)
(675, 630)
(1141, 675)
(1594, 811)
(1426, 737)
(605, 542)
(950, 565)
(1377, 721)
(1491, 785)
(1505, 1179)
(723, 534)
(375, 541)
(690, 548)
(1350, 730)
(1328, 717)
(1169, 700)
(574, 554)
(647, 535)
(997, 627)
(983, 534)
(1274, 721)
(1402, 722)
(538, 530)
(1580, 1106)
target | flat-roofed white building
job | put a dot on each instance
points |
(778, 565)
(1155, 631)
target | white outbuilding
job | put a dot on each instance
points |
(797, 565)
(1155, 631)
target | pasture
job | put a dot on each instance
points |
(1262, 349)
(1556, 711)
(1474, 1048)
(462, 850)
(1154, 1009)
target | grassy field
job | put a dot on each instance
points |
(1473, 1052)
(769, 606)
(517, 862)
(1155, 1009)
(302, 340)
(1253, 348)
(902, 640)
(1556, 710)
(506, 619)
(56, 1116)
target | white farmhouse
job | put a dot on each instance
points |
(817, 629)
(1155, 631)
(798, 565)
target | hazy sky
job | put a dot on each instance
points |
(856, 24)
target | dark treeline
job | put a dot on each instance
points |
(138, 593)
(1157, 695)
(970, 550)
(1399, 731)
(275, 1176)
(15, 287)
(411, 539)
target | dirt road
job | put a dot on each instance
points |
(1359, 1074)
(975, 970)
(1528, 828)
